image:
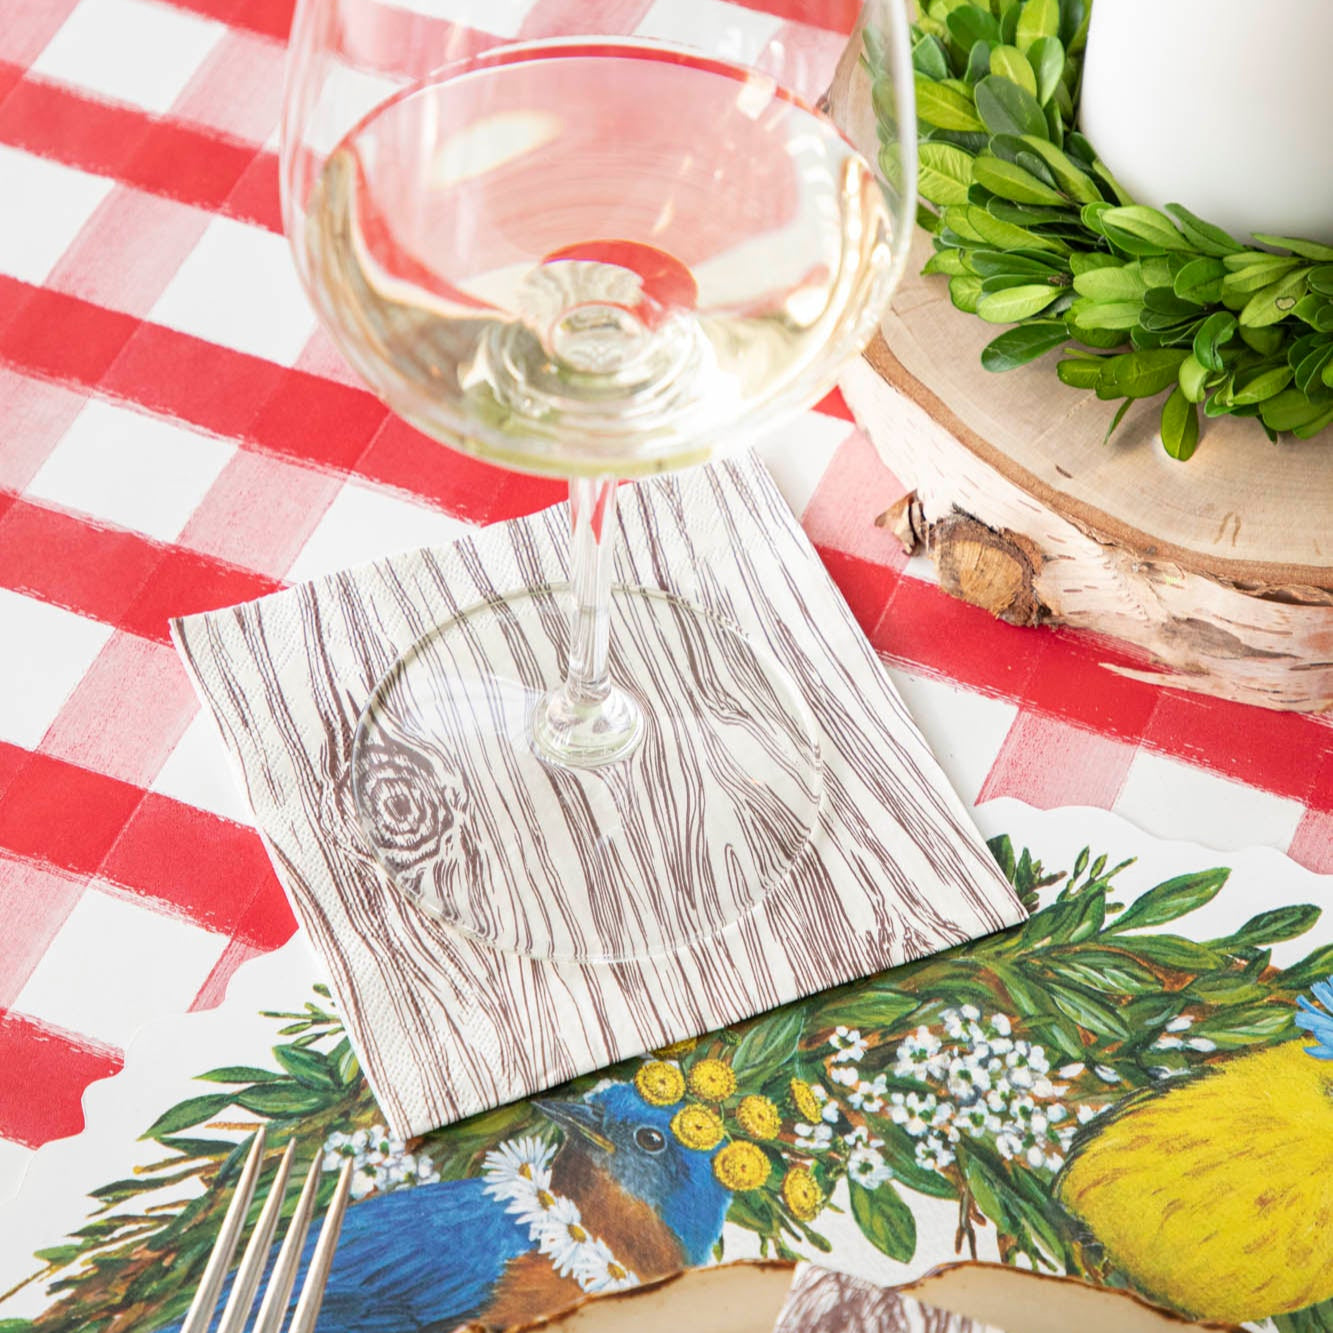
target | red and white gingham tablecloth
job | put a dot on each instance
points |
(176, 435)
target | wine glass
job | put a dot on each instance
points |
(600, 241)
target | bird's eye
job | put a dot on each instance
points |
(650, 1139)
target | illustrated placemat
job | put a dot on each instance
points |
(446, 1025)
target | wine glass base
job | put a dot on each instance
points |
(710, 801)
(588, 734)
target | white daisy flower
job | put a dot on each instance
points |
(518, 1167)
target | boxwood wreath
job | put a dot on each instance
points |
(1032, 230)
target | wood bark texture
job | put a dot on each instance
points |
(446, 1024)
(1219, 569)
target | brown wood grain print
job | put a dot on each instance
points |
(448, 1022)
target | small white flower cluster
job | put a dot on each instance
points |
(849, 1050)
(865, 1162)
(518, 1174)
(819, 1137)
(988, 1084)
(383, 1163)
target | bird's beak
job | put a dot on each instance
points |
(577, 1117)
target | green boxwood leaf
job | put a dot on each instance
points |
(1290, 410)
(1089, 314)
(1010, 63)
(999, 235)
(1039, 18)
(1171, 899)
(965, 292)
(930, 58)
(1256, 386)
(1200, 281)
(978, 63)
(1005, 108)
(884, 1219)
(1017, 347)
(1311, 368)
(1311, 428)
(1084, 261)
(1180, 425)
(1079, 372)
(1306, 249)
(1215, 332)
(1316, 311)
(1015, 303)
(945, 172)
(938, 104)
(1074, 15)
(1274, 302)
(1147, 225)
(1193, 378)
(1203, 236)
(1321, 279)
(952, 263)
(1047, 57)
(989, 263)
(1012, 182)
(972, 23)
(1077, 184)
(1119, 282)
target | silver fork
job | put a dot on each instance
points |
(273, 1308)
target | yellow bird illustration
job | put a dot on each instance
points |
(1215, 1195)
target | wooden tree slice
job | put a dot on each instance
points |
(1221, 568)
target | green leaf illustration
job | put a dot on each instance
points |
(885, 1220)
(1172, 899)
(191, 1112)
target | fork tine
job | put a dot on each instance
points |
(206, 1298)
(317, 1276)
(246, 1282)
(273, 1309)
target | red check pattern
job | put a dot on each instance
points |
(176, 435)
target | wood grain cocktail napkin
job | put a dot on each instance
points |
(446, 1025)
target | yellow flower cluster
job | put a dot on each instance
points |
(676, 1049)
(698, 1126)
(712, 1080)
(804, 1101)
(659, 1083)
(758, 1117)
(742, 1166)
(802, 1193)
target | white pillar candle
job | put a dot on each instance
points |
(1224, 106)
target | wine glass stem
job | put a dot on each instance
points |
(589, 721)
(592, 515)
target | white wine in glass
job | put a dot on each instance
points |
(597, 257)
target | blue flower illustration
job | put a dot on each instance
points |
(1317, 1020)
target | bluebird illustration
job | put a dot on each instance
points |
(622, 1200)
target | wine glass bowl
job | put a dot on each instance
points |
(598, 256)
